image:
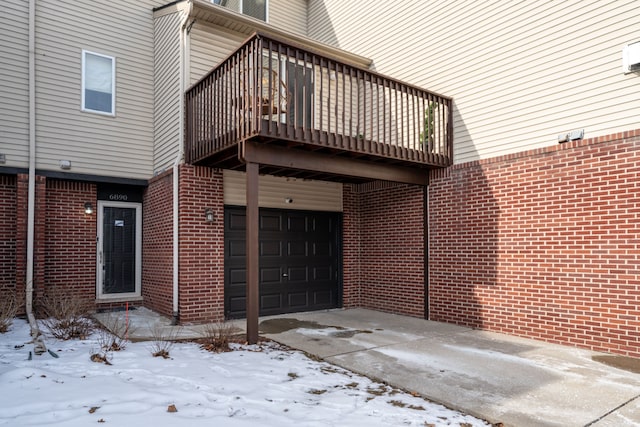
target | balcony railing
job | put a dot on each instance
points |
(277, 92)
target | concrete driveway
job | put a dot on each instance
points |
(500, 378)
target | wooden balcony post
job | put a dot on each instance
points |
(252, 257)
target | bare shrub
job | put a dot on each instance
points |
(65, 316)
(112, 335)
(163, 339)
(8, 311)
(115, 333)
(103, 353)
(217, 336)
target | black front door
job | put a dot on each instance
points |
(299, 261)
(119, 250)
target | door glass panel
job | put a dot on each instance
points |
(119, 250)
(300, 86)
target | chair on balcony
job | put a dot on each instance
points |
(272, 95)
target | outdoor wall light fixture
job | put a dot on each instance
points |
(208, 215)
(288, 200)
(88, 208)
(65, 164)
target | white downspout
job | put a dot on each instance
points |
(39, 346)
(178, 159)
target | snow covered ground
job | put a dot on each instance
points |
(252, 386)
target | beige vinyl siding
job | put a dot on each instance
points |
(209, 45)
(519, 74)
(14, 84)
(120, 146)
(305, 194)
(167, 90)
(290, 15)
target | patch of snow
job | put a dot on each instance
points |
(322, 332)
(253, 385)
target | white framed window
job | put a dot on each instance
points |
(98, 83)
(258, 9)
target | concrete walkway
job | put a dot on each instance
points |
(496, 377)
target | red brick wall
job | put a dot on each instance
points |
(201, 268)
(350, 247)
(389, 220)
(8, 202)
(157, 245)
(39, 236)
(69, 248)
(543, 244)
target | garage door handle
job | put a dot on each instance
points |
(285, 275)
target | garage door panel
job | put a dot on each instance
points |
(322, 225)
(298, 299)
(271, 301)
(297, 224)
(298, 274)
(270, 222)
(270, 275)
(236, 221)
(270, 248)
(236, 304)
(322, 297)
(237, 276)
(298, 266)
(297, 248)
(322, 249)
(237, 248)
(322, 273)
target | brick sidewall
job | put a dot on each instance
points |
(201, 268)
(543, 244)
(388, 244)
(157, 245)
(8, 233)
(69, 248)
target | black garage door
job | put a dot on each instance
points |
(299, 261)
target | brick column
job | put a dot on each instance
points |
(350, 248)
(201, 257)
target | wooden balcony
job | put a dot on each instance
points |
(272, 95)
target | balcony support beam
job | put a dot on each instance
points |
(252, 152)
(252, 242)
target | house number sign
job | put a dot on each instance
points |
(120, 193)
(118, 197)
